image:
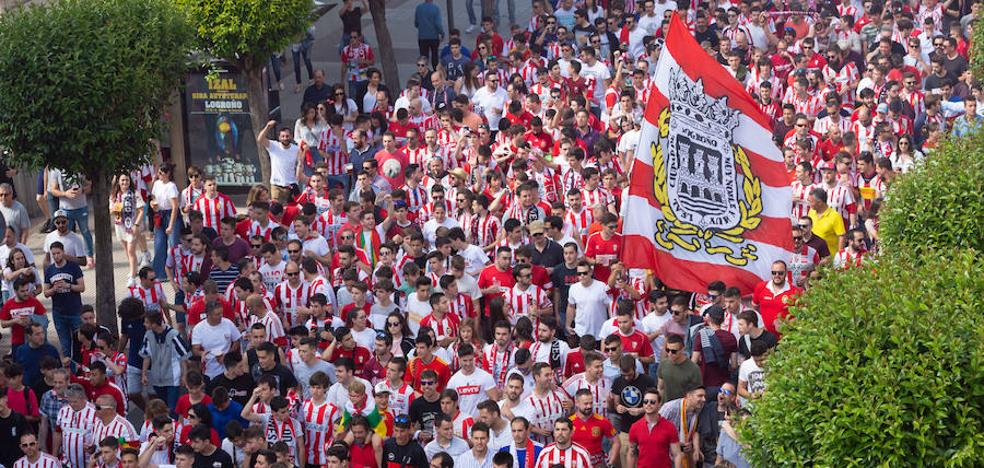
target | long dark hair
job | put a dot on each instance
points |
(344, 102)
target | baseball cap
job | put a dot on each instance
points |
(60, 214)
(398, 204)
(381, 388)
(882, 108)
(536, 227)
(826, 165)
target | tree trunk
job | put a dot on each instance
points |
(103, 238)
(386, 58)
(450, 16)
(488, 8)
(259, 111)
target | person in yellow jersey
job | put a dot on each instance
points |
(827, 223)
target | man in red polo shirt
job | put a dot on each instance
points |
(653, 441)
(344, 345)
(773, 297)
(426, 360)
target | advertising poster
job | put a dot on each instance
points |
(220, 133)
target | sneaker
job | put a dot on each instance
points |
(145, 259)
(471, 28)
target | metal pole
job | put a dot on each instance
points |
(450, 16)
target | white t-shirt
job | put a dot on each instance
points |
(487, 100)
(471, 389)
(74, 246)
(163, 192)
(600, 73)
(318, 245)
(430, 228)
(468, 285)
(652, 322)
(5, 252)
(215, 341)
(416, 311)
(591, 304)
(475, 259)
(753, 374)
(283, 163)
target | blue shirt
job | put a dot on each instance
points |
(69, 303)
(427, 19)
(30, 358)
(221, 418)
(135, 332)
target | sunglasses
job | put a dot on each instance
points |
(255, 246)
(611, 349)
(427, 382)
(293, 251)
(650, 402)
(347, 237)
(292, 273)
(29, 444)
(778, 273)
(583, 273)
(671, 350)
(392, 324)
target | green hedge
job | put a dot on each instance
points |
(883, 366)
(940, 204)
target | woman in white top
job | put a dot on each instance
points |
(470, 81)
(167, 223)
(307, 132)
(18, 267)
(344, 106)
(906, 155)
(127, 207)
(363, 334)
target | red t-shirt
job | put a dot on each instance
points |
(196, 312)
(358, 354)
(574, 364)
(13, 309)
(605, 252)
(184, 404)
(773, 306)
(654, 445)
(94, 392)
(591, 432)
(350, 307)
(490, 275)
(391, 167)
(417, 367)
(636, 343)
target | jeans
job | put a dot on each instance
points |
(428, 47)
(162, 242)
(470, 7)
(52, 204)
(510, 5)
(66, 325)
(275, 67)
(300, 52)
(80, 217)
(169, 395)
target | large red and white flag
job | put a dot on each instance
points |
(709, 198)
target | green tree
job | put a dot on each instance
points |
(883, 366)
(246, 33)
(83, 85)
(938, 206)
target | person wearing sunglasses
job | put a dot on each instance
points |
(653, 439)
(588, 302)
(33, 456)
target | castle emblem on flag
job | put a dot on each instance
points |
(703, 182)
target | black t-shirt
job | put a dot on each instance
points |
(709, 35)
(423, 412)
(745, 343)
(351, 21)
(218, 459)
(412, 454)
(285, 378)
(562, 278)
(252, 360)
(629, 394)
(239, 388)
(11, 429)
(552, 255)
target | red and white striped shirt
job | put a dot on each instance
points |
(845, 259)
(800, 192)
(598, 196)
(289, 299)
(400, 398)
(599, 391)
(543, 411)
(483, 230)
(571, 457)
(274, 328)
(461, 306)
(463, 424)
(810, 105)
(256, 230)
(188, 196)
(580, 222)
(214, 209)
(917, 100)
(522, 302)
(44, 461)
(416, 197)
(76, 428)
(152, 297)
(318, 420)
(118, 428)
(446, 327)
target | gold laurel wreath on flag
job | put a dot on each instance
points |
(672, 231)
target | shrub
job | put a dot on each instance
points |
(883, 366)
(940, 204)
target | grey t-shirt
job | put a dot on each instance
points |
(57, 179)
(303, 373)
(16, 217)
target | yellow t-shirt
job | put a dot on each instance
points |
(828, 226)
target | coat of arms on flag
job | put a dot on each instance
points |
(709, 198)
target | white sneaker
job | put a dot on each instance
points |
(145, 260)
(471, 28)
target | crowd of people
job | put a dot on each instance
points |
(433, 274)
